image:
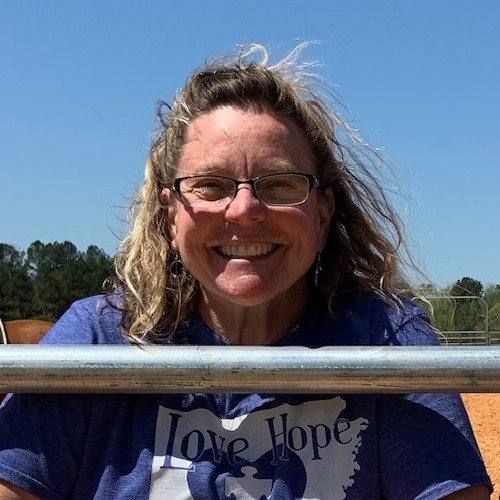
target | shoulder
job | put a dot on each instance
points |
(93, 320)
(373, 320)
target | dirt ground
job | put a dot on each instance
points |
(484, 413)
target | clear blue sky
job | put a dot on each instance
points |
(79, 82)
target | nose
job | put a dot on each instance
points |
(245, 206)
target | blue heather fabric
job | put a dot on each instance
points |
(242, 446)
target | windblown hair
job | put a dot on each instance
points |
(365, 236)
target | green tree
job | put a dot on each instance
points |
(48, 264)
(61, 274)
(467, 287)
(43, 281)
(469, 313)
(492, 298)
(16, 289)
(84, 275)
(99, 268)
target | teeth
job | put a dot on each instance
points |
(246, 251)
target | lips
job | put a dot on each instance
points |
(246, 250)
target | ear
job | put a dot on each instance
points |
(326, 211)
(171, 216)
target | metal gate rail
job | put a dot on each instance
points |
(178, 369)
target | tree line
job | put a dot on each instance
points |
(44, 280)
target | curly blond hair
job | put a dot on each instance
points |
(365, 236)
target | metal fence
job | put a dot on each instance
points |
(470, 337)
(482, 334)
(179, 369)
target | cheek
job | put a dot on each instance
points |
(187, 230)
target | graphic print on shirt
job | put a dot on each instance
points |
(305, 451)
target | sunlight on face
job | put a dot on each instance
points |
(245, 252)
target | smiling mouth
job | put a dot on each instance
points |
(246, 250)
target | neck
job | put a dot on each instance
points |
(264, 324)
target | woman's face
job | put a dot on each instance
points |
(244, 252)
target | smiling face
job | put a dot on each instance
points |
(246, 253)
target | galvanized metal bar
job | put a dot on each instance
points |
(179, 369)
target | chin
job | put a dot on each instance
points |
(249, 296)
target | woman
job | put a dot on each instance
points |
(256, 225)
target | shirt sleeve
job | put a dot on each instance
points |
(94, 320)
(426, 443)
(43, 436)
(42, 441)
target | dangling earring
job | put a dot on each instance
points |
(177, 275)
(318, 268)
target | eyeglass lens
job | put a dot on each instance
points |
(274, 189)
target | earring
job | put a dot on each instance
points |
(177, 276)
(318, 268)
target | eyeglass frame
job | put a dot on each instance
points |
(312, 182)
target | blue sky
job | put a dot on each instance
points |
(79, 82)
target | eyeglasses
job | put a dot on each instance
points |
(214, 191)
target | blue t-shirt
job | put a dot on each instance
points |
(243, 446)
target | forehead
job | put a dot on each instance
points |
(231, 138)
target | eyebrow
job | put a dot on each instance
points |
(268, 167)
(206, 169)
(278, 166)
